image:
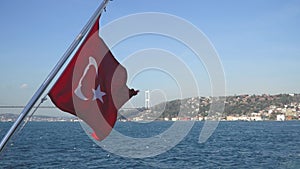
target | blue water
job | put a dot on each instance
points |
(232, 145)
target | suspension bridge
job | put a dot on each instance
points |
(147, 104)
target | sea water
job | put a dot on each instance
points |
(232, 145)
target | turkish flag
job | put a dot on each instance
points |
(93, 85)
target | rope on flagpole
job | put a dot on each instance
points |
(52, 75)
(30, 116)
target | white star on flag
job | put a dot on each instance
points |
(98, 94)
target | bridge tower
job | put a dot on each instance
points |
(147, 99)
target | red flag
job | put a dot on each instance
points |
(93, 85)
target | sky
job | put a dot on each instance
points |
(258, 44)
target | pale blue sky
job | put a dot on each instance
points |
(258, 42)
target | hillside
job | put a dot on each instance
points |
(267, 106)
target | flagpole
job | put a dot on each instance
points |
(52, 74)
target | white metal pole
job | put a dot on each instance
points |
(52, 74)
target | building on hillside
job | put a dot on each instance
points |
(280, 117)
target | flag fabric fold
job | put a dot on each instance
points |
(93, 85)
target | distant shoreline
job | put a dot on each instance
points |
(157, 121)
